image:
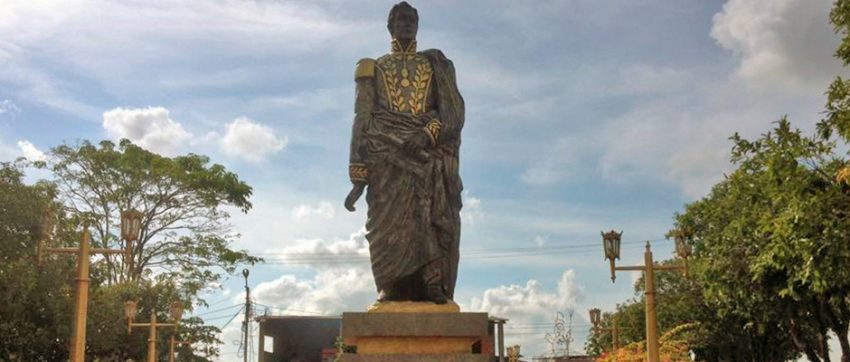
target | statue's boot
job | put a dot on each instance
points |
(389, 294)
(434, 283)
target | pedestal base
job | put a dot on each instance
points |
(349, 357)
(415, 331)
(413, 307)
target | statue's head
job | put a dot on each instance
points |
(403, 22)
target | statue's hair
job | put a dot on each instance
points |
(398, 7)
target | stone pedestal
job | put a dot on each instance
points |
(415, 331)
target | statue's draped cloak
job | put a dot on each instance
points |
(414, 202)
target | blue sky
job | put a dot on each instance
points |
(582, 115)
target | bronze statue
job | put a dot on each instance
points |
(404, 147)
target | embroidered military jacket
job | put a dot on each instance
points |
(401, 81)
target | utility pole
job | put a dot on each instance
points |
(174, 342)
(129, 224)
(596, 320)
(130, 308)
(611, 243)
(246, 325)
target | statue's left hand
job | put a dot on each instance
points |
(354, 195)
(415, 143)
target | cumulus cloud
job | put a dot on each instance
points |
(530, 301)
(29, 151)
(471, 213)
(529, 305)
(785, 43)
(250, 140)
(324, 210)
(335, 287)
(150, 127)
(321, 254)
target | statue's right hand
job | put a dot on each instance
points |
(354, 195)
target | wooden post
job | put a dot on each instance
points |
(651, 321)
(152, 339)
(78, 340)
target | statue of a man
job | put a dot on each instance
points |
(404, 147)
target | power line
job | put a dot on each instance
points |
(232, 318)
(472, 254)
(217, 310)
(219, 317)
(467, 251)
(318, 314)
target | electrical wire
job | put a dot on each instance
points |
(217, 310)
(471, 254)
(232, 318)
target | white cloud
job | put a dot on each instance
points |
(335, 287)
(471, 213)
(150, 127)
(780, 43)
(6, 106)
(251, 141)
(324, 210)
(530, 301)
(321, 254)
(30, 151)
(172, 46)
(529, 305)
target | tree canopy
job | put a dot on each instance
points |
(184, 248)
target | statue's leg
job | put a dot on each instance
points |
(402, 289)
(433, 278)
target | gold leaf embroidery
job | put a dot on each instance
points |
(404, 94)
(358, 172)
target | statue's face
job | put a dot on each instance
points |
(404, 25)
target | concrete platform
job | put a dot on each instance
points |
(348, 357)
(417, 336)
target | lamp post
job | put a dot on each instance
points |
(596, 320)
(513, 354)
(131, 222)
(130, 309)
(84, 251)
(173, 342)
(611, 242)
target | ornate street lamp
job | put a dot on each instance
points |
(513, 353)
(131, 225)
(596, 320)
(130, 312)
(611, 243)
(595, 317)
(683, 247)
(176, 311)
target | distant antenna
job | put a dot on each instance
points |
(562, 335)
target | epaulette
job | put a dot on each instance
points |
(365, 68)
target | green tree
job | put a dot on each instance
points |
(184, 244)
(34, 304)
(185, 231)
(712, 337)
(183, 248)
(771, 243)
